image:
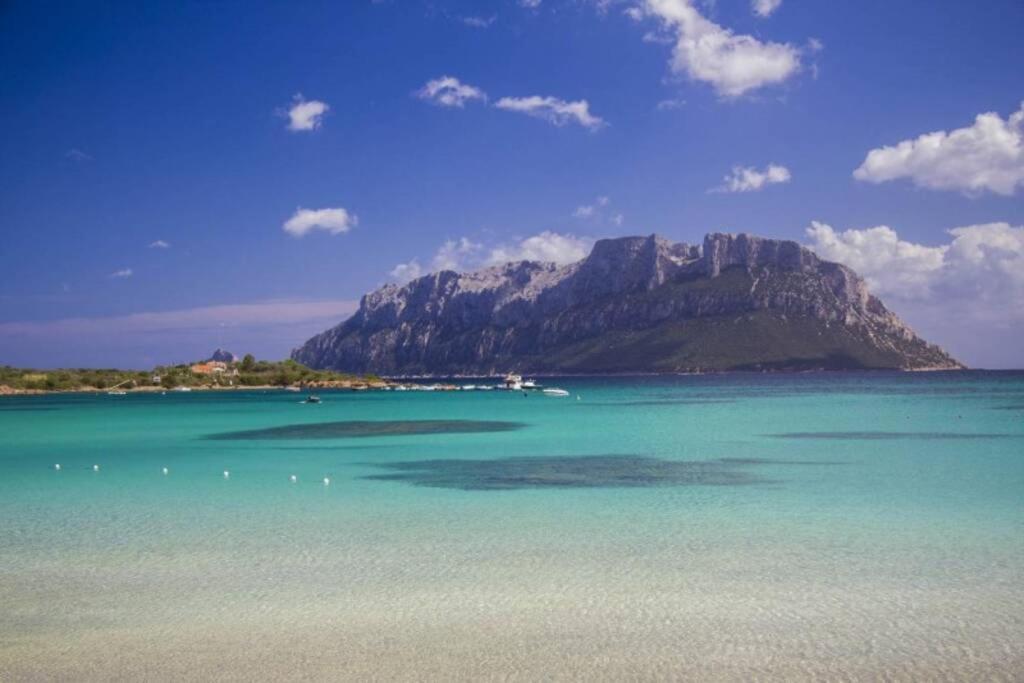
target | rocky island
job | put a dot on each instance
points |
(633, 305)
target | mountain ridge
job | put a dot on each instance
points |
(634, 304)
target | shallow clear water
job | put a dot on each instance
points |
(849, 526)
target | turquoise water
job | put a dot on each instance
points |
(731, 527)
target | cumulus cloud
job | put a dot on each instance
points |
(553, 110)
(764, 8)
(547, 246)
(749, 179)
(455, 254)
(448, 91)
(159, 244)
(986, 156)
(463, 254)
(123, 273)
(333, 221)
(305, 114)
(963, 293)
(404, 272)
(732, 64)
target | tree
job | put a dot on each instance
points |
(248, 363)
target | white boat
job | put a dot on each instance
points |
(295, 389)
(555, 392)
(469, 387)
(530, 384)
(117, 393)
(513, 382)
(182, 389)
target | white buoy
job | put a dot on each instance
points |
(327, 481)
(166, 471)
(227, 474)
(95, 468)
(293, 478)
(57, 467)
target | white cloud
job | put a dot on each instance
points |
(455, 254)
(749, 179)
(464, 255)
(732, 64)
(334, 221)
(764, 8)
(404, 272)
(123, 273)
(305, 114)
(448, 91)
(159, 244)
(553, 110)
(988, 155)
(530, 4)
(963, 294)
(479, 22)
(547, 246)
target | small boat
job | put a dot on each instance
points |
(555, 392)
(530, 384)
(469, 387)
(312, 399)
(182, 389)
(295, 389)
(117, 393)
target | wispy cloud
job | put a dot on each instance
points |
(599, 211)
(122, 273)
(268, 328)
(553, 110)
(159, 244)
(305, 115)
(479, 22)
(986, 156)
(334, 221)
(448, 91)
(77, 155)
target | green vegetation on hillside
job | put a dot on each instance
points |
(247, 373)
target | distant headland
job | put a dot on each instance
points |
(633, 305)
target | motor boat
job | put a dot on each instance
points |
(555, 392)
(312, 399)
(513, 382)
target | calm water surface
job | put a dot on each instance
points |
(839, 526)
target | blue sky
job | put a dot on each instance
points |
(130, 124)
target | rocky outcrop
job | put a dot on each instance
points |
(635, 304)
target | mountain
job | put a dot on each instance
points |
(635, 304)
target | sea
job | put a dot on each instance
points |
(822, 526)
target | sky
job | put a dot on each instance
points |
(185, 175)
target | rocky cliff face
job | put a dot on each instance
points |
(635, 304)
